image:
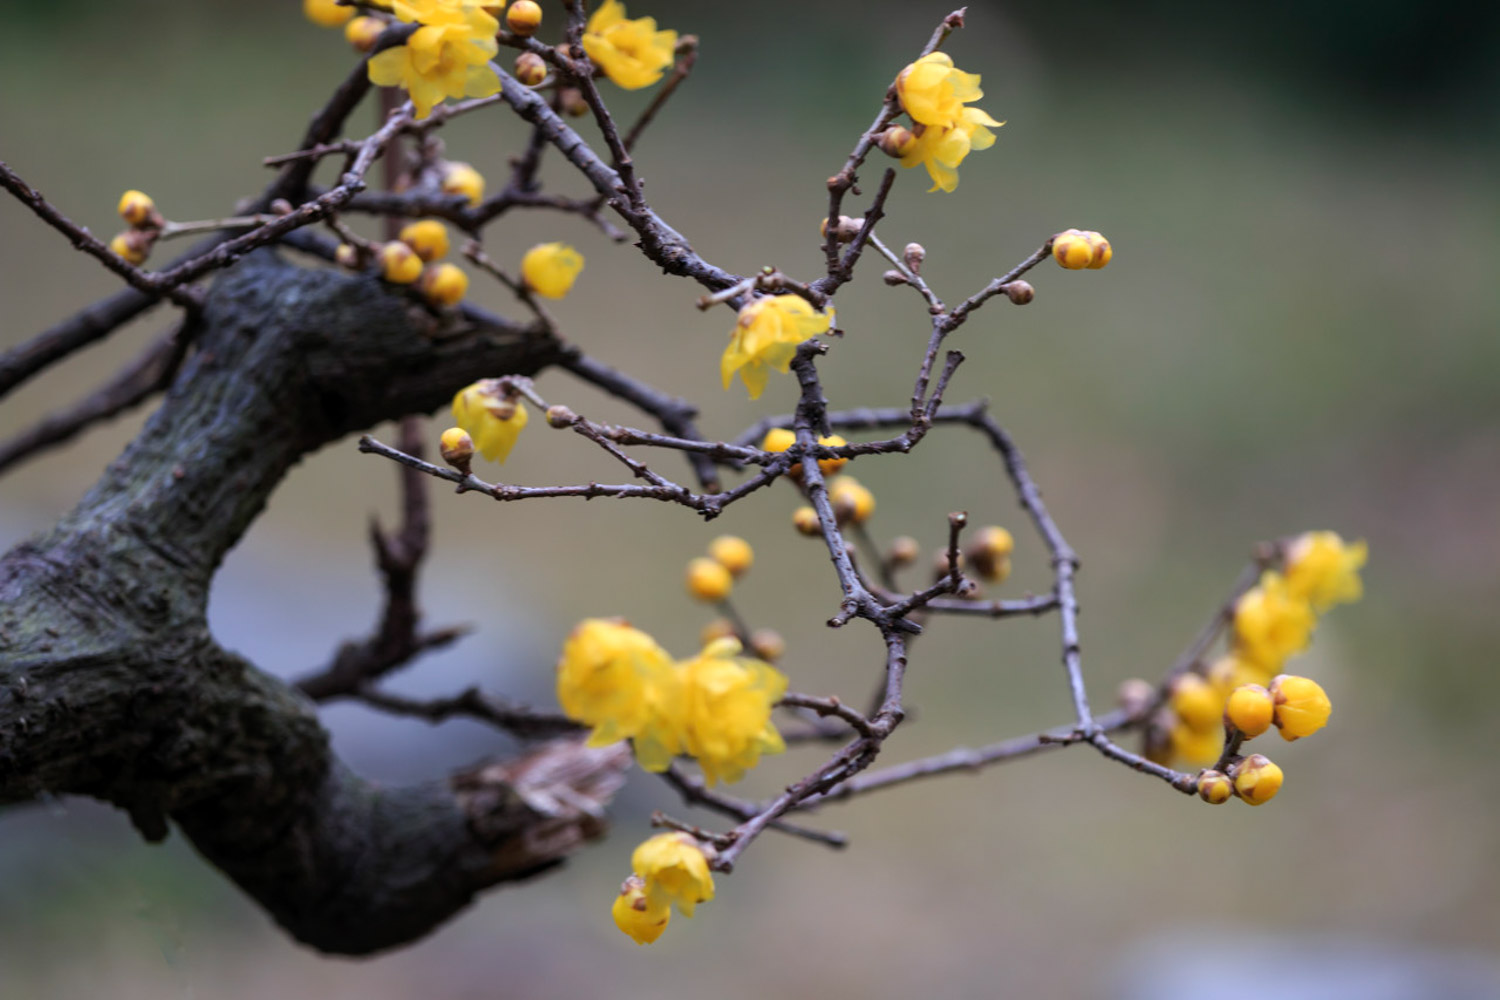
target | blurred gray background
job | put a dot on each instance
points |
(1298, 330)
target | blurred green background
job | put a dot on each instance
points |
(1298, 331)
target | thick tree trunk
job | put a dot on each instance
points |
(111, 685)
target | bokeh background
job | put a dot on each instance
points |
(1299, 330)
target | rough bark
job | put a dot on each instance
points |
(112, 686)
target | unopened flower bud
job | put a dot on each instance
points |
(806, 521)
(531, 69)
(133, 245)
(326, 13)
(719, 628)
(457, 448)
(1249, 709)
(896, 141)
(444, 284)
(1302, 706)
(903, 552)
(137, 209)
(572, 102)
(893, 277)
(1134, 695)
(913, 255)
(523, 18)
(363, 32)
(559, 415)
(460, 178)
(281, 206)
(1196, 703)
(348, 255)
(429, 238)
(846, 229)
(940, 566)
(989, 553)
(1076, 249)
(1019, 292)
(1214, 787)
(852, 502)
(767, 644)
(1256, 779)
(399, 264)
(708, 581)
(733, 553)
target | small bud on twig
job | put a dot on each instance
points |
(457, 448)
(913, 255)
(1019, 292)
(559, 415)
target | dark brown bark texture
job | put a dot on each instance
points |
(111, 685)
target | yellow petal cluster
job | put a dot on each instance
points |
(631, 53)
(494, 421)
(1323, 569)
(1271, 623)
(637, 915)
(549, 269)
(675, 869)
(616, 679)
(447, 57)
(766, 336)
(936, 94)
(728, 701)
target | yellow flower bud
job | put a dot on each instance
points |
(1302, 706)
(719, 628)
(457, 448)
(136, 208)
(531, 69)
(560, 416)
(549, 269)
(1256, 779)
(708, 580)
(1019, 292)
(347, 255)
(1134, 695)
(1214, 787)
(852, 502)
(1196, 703)
(1229, 672)
(524, 17)
(363, 32)
(429, 238)
(832, 465)
(131, 245)
(460, 178)
(896, 141)
(326, 13)
(444, 284)
(1076, 249)
(399, 264)
(1249, 710)
(1195, 746)
(778, 439)
(904, 551)
(767, 644)
(806, 521)
(637, 915)
(733, 553)
(989, 553)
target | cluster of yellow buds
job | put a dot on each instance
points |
(489, 419)
(779, 439)
(413, 259)
(633, 54)
(549, 269)
(714, 707)
(936, 95)
(1076, 249)
(711, 578)
(668, 868)
(145, 222)
(1297, 706)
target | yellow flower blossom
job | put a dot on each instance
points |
(637, 915)
(1323, 569)
(1270, 623)
(1196, 746)
(494, 421)
(727, 704)
(549, 269)
(1302, 706)
(675, 869)
(447, 57)
(632, 53)
(1196, 703)
(618, 680)
(933, 92)
(766, 336)
(941, 148)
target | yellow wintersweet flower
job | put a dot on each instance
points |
(1250, 709)
(727, 710)
(934, 92)
(941, 148)
(618, 680)
(1323, 569)
(1270, 623)
(494, 421)
(632, 53)
(766, 336)
(1196, 746)
(447, 57)
(637, 915)
(1256, 779)
(549, 269)
(675, 869)
(1196, 703)
(1302, 706)
(1230, 672)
